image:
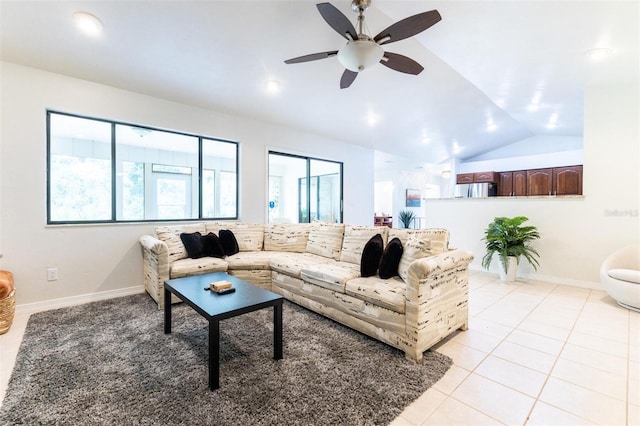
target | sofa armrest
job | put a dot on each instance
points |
(154, 245)
(155, 258)
(437, 297)
(430, 276)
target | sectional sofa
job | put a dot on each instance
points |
(318, 266)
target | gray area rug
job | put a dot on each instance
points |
(109, 362)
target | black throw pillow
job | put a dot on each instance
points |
(371, 256)
(229, 242)
(212, 246)
(391, 259)
(193, 243)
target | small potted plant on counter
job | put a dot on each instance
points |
(509, 239)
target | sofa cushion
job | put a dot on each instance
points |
(439, 237)
(325, 239)
(211, 245)
(229, 242)
(414, 249)
(371, 255)
(170, 235)
(293, 263)
(250, 237)
(332, 276)
(388, 294)
(355, 238)
(391, 259)
(351, 311)
(193, 244)
(249, 260)
(188, 267)
(290, 237)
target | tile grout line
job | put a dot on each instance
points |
(555, 362)
(490, 354)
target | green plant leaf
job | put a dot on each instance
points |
(508, 237)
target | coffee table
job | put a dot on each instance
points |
(215, 307)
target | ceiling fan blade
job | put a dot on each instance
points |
(347, 78)
(408, 27)
(312, 57)
(401, 63)
(337, 20)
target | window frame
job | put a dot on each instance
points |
(114, 159)
(308, 159)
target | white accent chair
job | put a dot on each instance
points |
(620, 276)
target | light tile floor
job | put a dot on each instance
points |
(535, 353)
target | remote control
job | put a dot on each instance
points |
(226, 290)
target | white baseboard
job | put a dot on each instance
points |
(550, 279)
(47, 305)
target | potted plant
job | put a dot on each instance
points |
(406, 216)
(509, 239)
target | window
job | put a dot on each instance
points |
(103, 171)
(303, 189)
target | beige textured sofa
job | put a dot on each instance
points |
(318, 266)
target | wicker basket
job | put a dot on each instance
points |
(7, 311)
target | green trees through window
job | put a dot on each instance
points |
(104, 171)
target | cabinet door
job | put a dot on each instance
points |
(539, 182)
(464, 178)
(519, 183)
(485, 177)
(567, 180)
(505, 184)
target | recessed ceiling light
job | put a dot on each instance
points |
(87, 23)
(598, 54)
(272, 86)
(372, 118)
(553, 121)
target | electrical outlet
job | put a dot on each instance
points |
(52, 274)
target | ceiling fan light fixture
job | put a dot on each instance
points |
(359, 55)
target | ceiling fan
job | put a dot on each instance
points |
(362, 51)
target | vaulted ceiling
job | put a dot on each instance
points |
(496, 72)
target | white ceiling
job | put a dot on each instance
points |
(485, 61)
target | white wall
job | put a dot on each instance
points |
(577, 233)
(103, 258)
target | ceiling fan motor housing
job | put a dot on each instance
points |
(359, 55)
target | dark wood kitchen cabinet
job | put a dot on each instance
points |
(512, 183)
(485, 177)
(464, 178)
(505, 184)
(478, 177)
(520, 183)
(540, 182)
(567, 180)
(551, 181)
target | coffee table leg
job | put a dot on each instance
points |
(277, 331)
(167, 311)
(214, 354)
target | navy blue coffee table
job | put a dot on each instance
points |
(215, 307)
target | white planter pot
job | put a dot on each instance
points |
(512, 269)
